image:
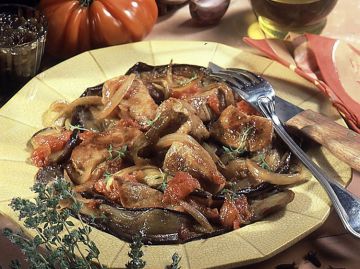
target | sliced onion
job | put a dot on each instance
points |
(114, 101)
(167, 140)
(264, 175)
(197, 215)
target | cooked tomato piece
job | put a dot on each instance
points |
(246, 108)
(87, 135)
(45, 145)
(180, 187)
(129, 122)
(229, 215)
(234, 213)
(242, 206)
(187, 91)
(214, 104)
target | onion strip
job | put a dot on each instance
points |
(115, 100)
(66, 109)
(197, 215)
(264, 175)
(167, 140)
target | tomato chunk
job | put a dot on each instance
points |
(234, 213)
(214, 104)
(45, 145)
(246, 108)
(180, 187)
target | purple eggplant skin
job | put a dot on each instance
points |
(93, 91)
(49, 173)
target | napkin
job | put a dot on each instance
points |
(332, 65)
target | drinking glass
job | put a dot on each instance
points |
(279, 17)
(22, 40)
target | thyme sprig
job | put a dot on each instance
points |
(58, 243)
(136, 254)
(175, 262)
(164, 176)
(262, 162)
(78, 127)
(188, 80)
(65, 246)
(236, 152)
(117, 154)
(150, 123)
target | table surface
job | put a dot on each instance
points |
(331, 242)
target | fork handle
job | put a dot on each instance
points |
(346, 204)
(340, 141)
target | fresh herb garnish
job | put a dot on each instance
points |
(78, 127)
(136, 254)
(236, 152)
(262, 162)
(117, 154)
(55, 232)
(164, 183)
(231, 195)
(175, 262)
(149, 123)
(188, 80)
(58, 243)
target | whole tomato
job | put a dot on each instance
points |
(78, 25)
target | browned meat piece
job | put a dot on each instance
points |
(175, 115)
(84, 160)
(95, 150)
(129, 193)
(209, 104)
(240, 131)
(138, 195)
(190, 157)
(138, 104)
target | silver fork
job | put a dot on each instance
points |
(260, 94)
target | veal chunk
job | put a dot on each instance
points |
(176, 116)
(195, 160)
(95, 150)
(238, 130)
(138, 105)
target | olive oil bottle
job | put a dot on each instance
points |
(278, 17)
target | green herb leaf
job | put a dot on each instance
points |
(136, 262)
(117, 154)
(50, 222)
(175, 262)
(77, 127)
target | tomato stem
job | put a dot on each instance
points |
(85, 3)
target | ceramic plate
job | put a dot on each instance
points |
(21, 117)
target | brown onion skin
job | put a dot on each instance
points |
(208, 12)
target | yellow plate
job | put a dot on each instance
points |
(21, 117)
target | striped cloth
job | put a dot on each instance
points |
(332, 65)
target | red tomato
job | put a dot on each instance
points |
(46, 145)
(179, 187)
(78, 25)
(246, 108)
(214, 104)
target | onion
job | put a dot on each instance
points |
(197, 215)
(168, 140)
(264, 175)
(114, 101)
